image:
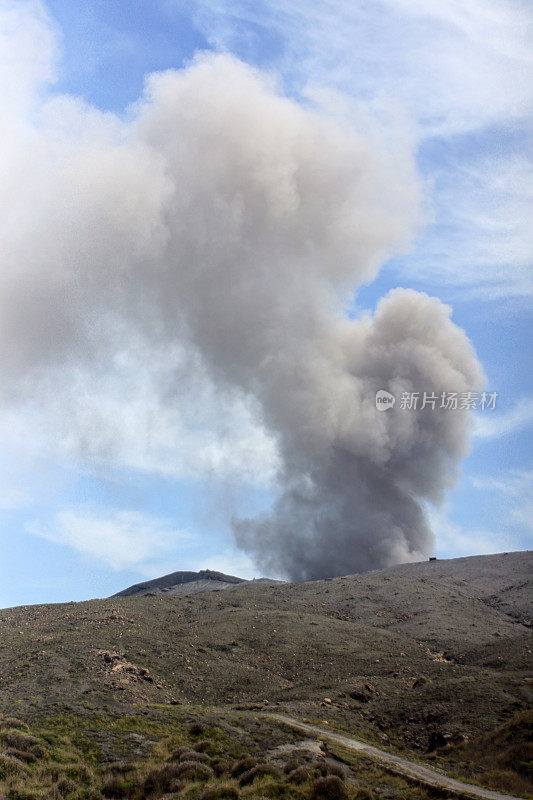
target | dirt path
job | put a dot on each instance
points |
(404, 766)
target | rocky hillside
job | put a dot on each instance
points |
(423, 658)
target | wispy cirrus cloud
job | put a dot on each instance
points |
(473, 74)
(121, 539)
(512, 483)
(480, 240)
(454, 541)
(12, 498)
(508, 502)
(515, 489)
(494, 425)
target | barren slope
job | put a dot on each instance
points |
(414, 657)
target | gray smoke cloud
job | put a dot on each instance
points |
(354, 502)
(224, 221)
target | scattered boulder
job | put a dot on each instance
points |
(125, 670)
(110, 657)
(361, 693)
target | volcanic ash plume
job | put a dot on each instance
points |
(223, 220)
(352, 502)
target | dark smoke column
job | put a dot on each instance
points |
(274, 222)
(355, 503)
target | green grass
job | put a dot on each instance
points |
(190, 754)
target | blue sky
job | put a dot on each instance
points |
(458, 77)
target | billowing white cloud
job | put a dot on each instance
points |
(204, 247)
(149, 412)
(230, 562)
(28, 52)
(458, 70)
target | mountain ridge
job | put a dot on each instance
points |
(181, 578)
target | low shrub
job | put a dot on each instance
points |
(21, 741)
(518, 757)
(13, 722)
(192, 755)
(194, 770)
(66, 787)
(259, 771)
(10, 766)
(23, 755)
(243, 765)
(364, 794)
(120, 768)
(163, 779)
(220, 793)
(330, 768)
(206, 746)
(291, 764)
(220, 766)
(329, 788)
(300, 774)
(119, 786)
(196, 728)
(178, 752)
